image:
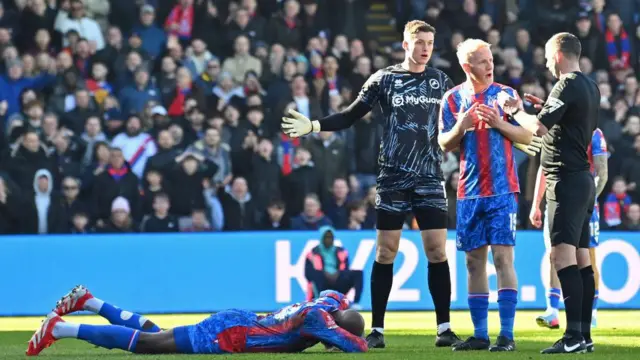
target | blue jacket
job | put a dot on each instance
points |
(153, 39)
(10, 89)
(133, 100)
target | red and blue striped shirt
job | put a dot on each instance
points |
(487, 163)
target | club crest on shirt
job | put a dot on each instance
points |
(434, 83)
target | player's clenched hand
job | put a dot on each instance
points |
(298, 125)
(468, 117)
(536, 101)
(532, 148)
(536, 217)
(489, 114)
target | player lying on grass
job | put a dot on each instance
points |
(293, 328)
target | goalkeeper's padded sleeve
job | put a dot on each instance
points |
(345, 118)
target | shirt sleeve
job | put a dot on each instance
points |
(557, 103)
(447, 118)
(370, 92)
(598, 144)
(320, 325)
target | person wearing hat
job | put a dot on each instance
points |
(591, 40)
(152, 36)
(120, 220)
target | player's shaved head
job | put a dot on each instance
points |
(566, 43)
(350, 320)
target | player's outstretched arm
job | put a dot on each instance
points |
(296, 124)
(321, 326)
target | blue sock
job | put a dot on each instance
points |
(479, 306)
(595, 301)
(110, 336)
(554, 298)
(125, 318)
(507, 301)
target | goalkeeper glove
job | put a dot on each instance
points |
(533, 148)
(298, 125)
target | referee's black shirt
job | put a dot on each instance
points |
(571, 115)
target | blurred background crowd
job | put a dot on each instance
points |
(164, 115)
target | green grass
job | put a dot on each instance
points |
(408, 336)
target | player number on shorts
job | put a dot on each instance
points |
(513, 220)
(594, 229)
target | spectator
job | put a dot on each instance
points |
(116, 180)
(242, 61)
(303, 180)
(327, 268)
(179, 23)
(240, 212)
(44, 211)
(336, 206)
(134, 97)
(71, 197)
(632, 222)
(276, 217)
(137, 147)
(617, 203)
(312, 216)
(265, 175)
(187, 179)
(10, 208)
(27, 158)
(357, 215)
(80, 224)
(328, 152)
(153, 185)
(74, 19)
(164, 159)
(160, 221)
(91, 136)
(619, 47)
(199, 222)
(154, 39)
(13, 84)
(120, 220)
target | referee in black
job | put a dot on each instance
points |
(409, 177)
(567, 121)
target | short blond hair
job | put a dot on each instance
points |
(414, 27)
(468, 47)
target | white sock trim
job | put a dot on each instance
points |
(65, 330)
(378, 329)
(94, 305)
(443, 327)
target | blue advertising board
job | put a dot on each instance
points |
(262, 271)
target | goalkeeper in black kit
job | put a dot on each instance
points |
(409, 176)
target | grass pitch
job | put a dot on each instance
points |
(409, 335)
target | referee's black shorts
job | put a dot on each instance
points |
(570, 205)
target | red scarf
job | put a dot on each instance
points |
(177, 105)
(183, 17)
(612, 49)
(291, 24)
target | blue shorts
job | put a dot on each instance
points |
(202, 338)
(486, 221)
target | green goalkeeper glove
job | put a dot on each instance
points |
(299, 125)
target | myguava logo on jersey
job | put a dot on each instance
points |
(397, 100)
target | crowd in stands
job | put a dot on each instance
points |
(164, 115)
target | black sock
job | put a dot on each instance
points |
(588, 292)
(440, 288)
(381, 280)
(571, 282)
